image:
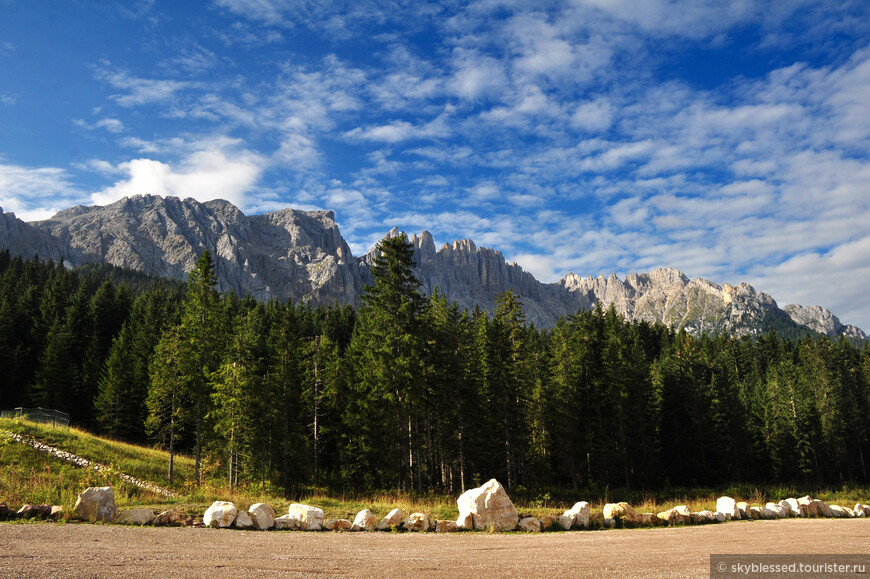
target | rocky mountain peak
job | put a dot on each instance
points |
(302, 256)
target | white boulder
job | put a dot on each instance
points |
(778, 510)
(417, 522)
(96, 504)
(841, 512)
(677, 515)
(728, 506)
(623, 514)
(220, 514)
(243, 521)
(489, 506)
(262, 516)
(797, 509)
(286, 522)
(365, 521)
(577, 516)
(310, 518)
(707, 516)
(393, 519)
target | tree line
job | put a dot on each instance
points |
(410, 392)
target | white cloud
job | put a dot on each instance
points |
(140, 91)
(217, 170)
(267, 11)
(34, 194)
(836, 279)
(398, 131)
(690, 18)
(593, 116)
(477, 76)
(108, 124)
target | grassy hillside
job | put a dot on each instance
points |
(30, 476)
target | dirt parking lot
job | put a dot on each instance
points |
(79, 550)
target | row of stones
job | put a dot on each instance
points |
(261, 516)
(85, 463)
(727, 509)
(487, 507)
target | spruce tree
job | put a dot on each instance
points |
(202, 334)
(387, 348)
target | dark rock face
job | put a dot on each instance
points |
(301, 256)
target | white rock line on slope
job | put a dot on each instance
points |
(85, 463)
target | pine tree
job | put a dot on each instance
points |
(202, 334)
(167, 395)
(387, 349)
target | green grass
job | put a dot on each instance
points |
(138, 461)
(29, 476)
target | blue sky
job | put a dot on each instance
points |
(728, 139)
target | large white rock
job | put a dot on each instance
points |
(393, 519)
(96, 504)
(577, 516)
(417, 522)
(243, 521)
(677, 515)
(728, 506)
(310, 518)
(286, 522)
(780, 511)
(220, 514)
(135, 517)
(623, 513)
(489, 506)
(262, 516)
(365, 521)
(841, 512)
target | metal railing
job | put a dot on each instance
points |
(43, 415)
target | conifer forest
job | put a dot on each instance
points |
(408, 392)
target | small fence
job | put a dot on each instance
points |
(43, 415)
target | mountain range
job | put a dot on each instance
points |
(301, 256)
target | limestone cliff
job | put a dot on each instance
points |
(287, 254)
(301, 256)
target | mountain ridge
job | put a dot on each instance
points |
(301, 256)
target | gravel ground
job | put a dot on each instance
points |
(79, 550)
